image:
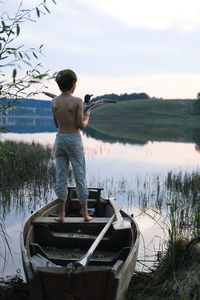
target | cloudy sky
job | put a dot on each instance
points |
(117, 46)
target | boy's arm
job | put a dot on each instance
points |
(55, 121)
(82, 120)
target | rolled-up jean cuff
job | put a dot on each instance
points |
(62, 196)
(83, 199)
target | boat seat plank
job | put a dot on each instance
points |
(65, 256)
(94, 193)
(76, 235)
(88, 199)
(89, 188)
(51, 220)
(74, 254)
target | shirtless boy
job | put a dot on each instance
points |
(69, 119)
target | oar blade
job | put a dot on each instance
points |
(120, 222)
(83, 261)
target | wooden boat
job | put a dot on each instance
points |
(60, 245)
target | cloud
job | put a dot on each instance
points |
(98, 44)
(155, 13)
(98, 40)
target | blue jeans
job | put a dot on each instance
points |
(69, 148)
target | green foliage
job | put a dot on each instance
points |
(16, 57)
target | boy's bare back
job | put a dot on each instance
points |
(68, 114)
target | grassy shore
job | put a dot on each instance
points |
(143, 120)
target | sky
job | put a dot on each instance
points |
(114, 46)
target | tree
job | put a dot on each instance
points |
(124, 97)
(198, 96)
(14, 87)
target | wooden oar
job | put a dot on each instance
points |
(84, 260)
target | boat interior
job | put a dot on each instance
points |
(64, 243)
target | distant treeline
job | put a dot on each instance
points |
(33, 103)
(123, 97)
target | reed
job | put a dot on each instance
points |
(27, 174)
(5, 247)
(176, 274)
(24, 163)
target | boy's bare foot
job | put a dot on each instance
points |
(87, 218)
(59, 219)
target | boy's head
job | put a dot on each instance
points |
(65, 79)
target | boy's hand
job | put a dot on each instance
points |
(86, 117)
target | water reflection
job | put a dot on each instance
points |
(37, 120)
(90, 132)
(170, 154)
(29, 124)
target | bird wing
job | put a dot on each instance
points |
(90, 106)
(49, 94)
(97, 103)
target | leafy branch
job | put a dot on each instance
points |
(14, 87)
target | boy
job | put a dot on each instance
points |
(69, 119)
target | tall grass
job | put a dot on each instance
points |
(5, 247)
(28, 172)
(176, 275)
(177, 198)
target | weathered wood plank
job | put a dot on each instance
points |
(94, 192)
(89, 188)
(51, 220)
(76, 235)
(74, 254)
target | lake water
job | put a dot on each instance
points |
(122, 169)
